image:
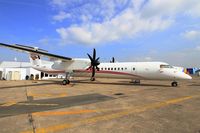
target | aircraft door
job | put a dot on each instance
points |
(137, 70)
(133, 69)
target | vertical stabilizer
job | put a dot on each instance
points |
(35, 59)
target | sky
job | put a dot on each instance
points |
(129, 30)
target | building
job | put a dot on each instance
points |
(192, 70)
(22, 71)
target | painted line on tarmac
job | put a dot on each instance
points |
(8, 104)
(107, 117)
(37, 104)
(28, 104)
(55, 113)
(47, 95)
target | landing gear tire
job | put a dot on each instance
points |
(92, 79)
(136, 82)
(174, 84)
(65, 82)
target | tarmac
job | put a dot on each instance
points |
(102, 106)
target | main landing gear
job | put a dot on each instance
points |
(92, 79)
(174, 84)
(65, 82)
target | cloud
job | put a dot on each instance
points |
(61, 16)
(106, 21)
(192, 35)
(188, 57)
(194, 8)
(184, 58)
(148, 58)
(44, 41)
(127, 24)
(95, 11)
(171, 8)
(198, 48)
(60, 3)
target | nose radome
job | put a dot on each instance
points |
(187, 76)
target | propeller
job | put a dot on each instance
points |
(94, 63)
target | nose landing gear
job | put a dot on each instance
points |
(174, 84)
(136, 82)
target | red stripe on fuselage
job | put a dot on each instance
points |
(107, 72)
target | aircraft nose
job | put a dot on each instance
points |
(187, 76)
(183, 76)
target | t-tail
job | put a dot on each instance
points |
(35, 60)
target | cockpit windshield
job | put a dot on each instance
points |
(165, 66)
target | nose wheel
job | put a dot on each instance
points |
(136, 82)
(174, 84)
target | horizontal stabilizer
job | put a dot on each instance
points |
(29, 47)
(35, 50)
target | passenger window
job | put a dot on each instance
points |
(101, 68)
(133, 69)
(108, 68)
(125, 68)
(111, 68)
(118, 68)
(115, 68)
(122, 69)
(105, 68)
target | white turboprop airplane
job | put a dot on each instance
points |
(78, 67)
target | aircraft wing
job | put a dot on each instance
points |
(33, 50)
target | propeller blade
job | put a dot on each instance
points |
(93, 71)
(97, 68)
(90, 57)
(97, 58)
(94, 54)
(97, 63)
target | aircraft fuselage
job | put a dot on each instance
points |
(122, 70)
